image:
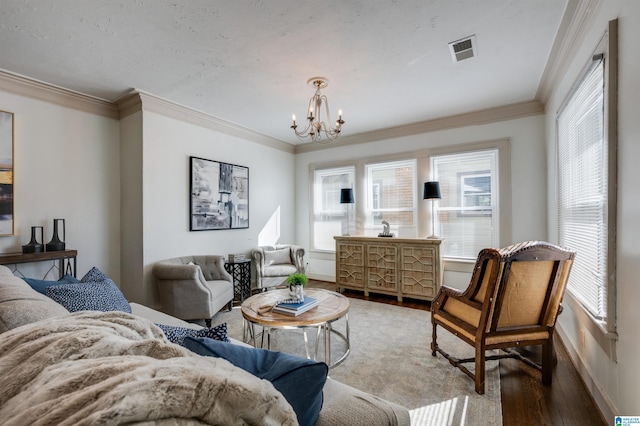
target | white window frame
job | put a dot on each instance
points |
(602, 329)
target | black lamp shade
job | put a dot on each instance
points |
(431, 190)
(346, 196)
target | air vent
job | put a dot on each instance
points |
(463, 49)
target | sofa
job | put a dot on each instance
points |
(114, 367)
(193, 287)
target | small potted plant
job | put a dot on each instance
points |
(296, 283)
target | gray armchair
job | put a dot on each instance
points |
(275, 263)
(193, 287)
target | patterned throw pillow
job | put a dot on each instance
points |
(90, 296)
(93, 275)
(178, 334)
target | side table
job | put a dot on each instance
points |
(240, 270)
(64, 259)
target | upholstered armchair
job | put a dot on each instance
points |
(193, 287)
(513, 300)
(274, 264)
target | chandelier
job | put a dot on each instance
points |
(315, 126)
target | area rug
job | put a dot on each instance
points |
(391, 358)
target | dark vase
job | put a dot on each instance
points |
(34, 246)
(55, 244)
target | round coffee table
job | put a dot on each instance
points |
(331, 307)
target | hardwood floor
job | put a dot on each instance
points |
(525, 401)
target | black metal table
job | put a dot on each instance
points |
(240, 270)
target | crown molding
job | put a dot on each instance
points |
(35, 89)
(485, 116)
(576, 22)
(137, 100)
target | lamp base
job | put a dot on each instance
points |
(433, 237)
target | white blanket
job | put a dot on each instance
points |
(94, 368)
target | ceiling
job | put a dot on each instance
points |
(248, 62)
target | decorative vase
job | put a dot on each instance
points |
(296, 291)
(34, 246)
(55, 244)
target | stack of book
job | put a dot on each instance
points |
(295, 309)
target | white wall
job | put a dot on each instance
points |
(167, 145)
(614, 384)
(528, 177)
(66, 166)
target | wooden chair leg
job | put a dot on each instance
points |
(480, 368)
(547, 361)
(434, 338)
(207, 322)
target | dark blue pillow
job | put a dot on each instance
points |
(89, 296)
(299, 380)
(41, 285)
(178, 334)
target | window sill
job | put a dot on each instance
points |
(606, 339)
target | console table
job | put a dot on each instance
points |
(402, 267)
(64, 259)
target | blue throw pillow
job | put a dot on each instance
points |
(89, 296)
(41, 285)
(298, 379)
(178, 334)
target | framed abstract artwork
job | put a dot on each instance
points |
(219, 195)
(6, 173)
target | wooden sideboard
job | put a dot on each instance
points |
(402, 267)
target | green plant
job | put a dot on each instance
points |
(297, 279)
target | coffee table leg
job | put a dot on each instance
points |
(306, 343)
(268, 337)
(327, 347)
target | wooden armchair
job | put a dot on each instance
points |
(513, 300)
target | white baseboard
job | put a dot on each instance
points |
(321, 277)
(603, 402)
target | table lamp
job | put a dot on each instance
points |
(432, 192)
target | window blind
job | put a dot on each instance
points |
(467, 214)
(582, 189)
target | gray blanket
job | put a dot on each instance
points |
(93, 368)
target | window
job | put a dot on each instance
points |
(328, 214)
(475, 193)
(584, 180)
(391, 196)
(467, 213)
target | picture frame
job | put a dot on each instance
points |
(7, 222)
(219, 195)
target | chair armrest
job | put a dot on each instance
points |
(448, 292)
(297, 253)
(258, 257)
